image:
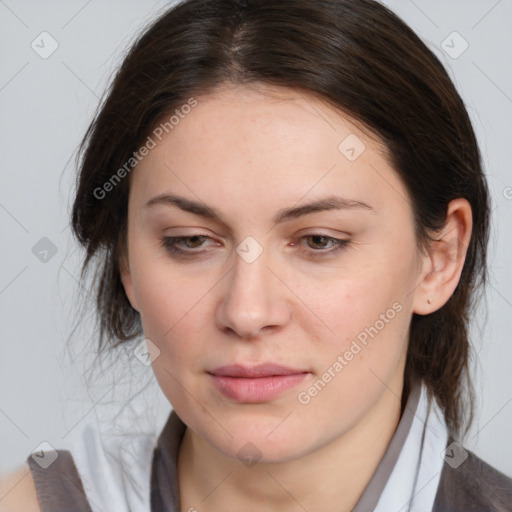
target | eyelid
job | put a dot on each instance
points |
(321, 232)
(302, 233)
(170, 243)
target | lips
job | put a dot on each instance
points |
(255, 384)
(258, 371)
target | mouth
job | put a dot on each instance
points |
(255, 384)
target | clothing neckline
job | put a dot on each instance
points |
(164, 479)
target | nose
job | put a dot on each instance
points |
(254, 300)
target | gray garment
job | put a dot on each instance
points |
(59, 488)
(473, 487)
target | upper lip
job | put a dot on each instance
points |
(260, 370)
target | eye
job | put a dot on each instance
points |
(319, 241)
(172, 244)
(187, 246)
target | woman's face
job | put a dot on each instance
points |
(263, 281)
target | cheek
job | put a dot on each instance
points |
(173, 318)
(163, 291)
(368, 320)
(168, 303)
(365, 311)
(173, 306)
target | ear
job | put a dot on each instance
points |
(126, 279)
(442, 264)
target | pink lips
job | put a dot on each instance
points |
(255, 384)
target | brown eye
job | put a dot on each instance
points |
(320, 243)
(181, 245)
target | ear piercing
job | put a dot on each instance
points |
(429, 301)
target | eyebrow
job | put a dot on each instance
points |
(327, 203)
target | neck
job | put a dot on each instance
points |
(332, 478)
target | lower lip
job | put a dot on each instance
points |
(251, 390)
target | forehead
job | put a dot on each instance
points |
(262, 112)
(261, 141)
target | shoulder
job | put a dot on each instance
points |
(47, 482)
(472, 485)
(18, 491)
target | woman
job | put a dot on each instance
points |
(286, 200)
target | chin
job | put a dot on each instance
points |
(263, 441)
(262, 451)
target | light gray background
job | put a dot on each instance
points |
(46, 105)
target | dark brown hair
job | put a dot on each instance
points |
(354, 54)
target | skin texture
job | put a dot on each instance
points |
(18, 491)
(248, 153)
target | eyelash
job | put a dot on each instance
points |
(170, 245)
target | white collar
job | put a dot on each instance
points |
(115, 461)
(414, 479)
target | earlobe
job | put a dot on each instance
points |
(126, 279)
(444, 261)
